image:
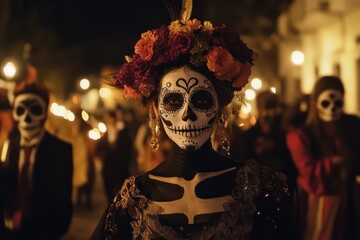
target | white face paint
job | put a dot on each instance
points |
(30, 113)
(188, 107)
(330, 105)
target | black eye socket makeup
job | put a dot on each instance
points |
(338, 103)
(202, 100)
(36, 110)
(325, 103)
(20, 111)
(173, 101)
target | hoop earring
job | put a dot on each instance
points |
(155, 129)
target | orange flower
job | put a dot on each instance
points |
(144, 47)
(208, 26)
(222, 63)
(177, 27)
(193, 24)
(130, 93)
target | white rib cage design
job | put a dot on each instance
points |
(189, 204)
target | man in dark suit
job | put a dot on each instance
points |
(36, 171)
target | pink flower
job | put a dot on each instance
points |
(144, 47)
(243, 78)
(221, 62)
(130, 93)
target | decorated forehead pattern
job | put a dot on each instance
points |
(187, 85)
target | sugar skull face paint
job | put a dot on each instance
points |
(29, 112)
(188, 107)
(330, 105)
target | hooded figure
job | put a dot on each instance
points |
(326, 152)
(37, 170)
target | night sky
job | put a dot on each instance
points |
(74, 38)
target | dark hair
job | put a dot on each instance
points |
(34, 87)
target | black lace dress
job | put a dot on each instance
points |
(199, 195)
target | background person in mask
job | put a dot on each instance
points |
(37, 172)
(326, 151)
(265, 141)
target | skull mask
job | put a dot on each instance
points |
(330, 105)
(188, 107)
(30, 113)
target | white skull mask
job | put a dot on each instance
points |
(188, 107)
(30, 113)
(330, 105)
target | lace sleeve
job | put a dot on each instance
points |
(115, 224)
(132, 215)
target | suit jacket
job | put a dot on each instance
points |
(51, 204)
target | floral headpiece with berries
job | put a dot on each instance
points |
(218, 49)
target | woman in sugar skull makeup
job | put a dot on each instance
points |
(187, 73)
(326, 152)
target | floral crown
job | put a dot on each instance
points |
(202, 45)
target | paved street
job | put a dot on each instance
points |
(84, 222)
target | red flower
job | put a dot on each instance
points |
(125, 75)
(144, 75)
(179, 44)
(140, 67)
(161, 50)
(231, 41)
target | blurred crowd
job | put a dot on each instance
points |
(313, 142)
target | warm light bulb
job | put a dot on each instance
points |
(84, 83)
(297, 57)
(250, 94)
(9, 70)
(256, 83)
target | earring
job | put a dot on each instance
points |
(224, 126)
(155, 129)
